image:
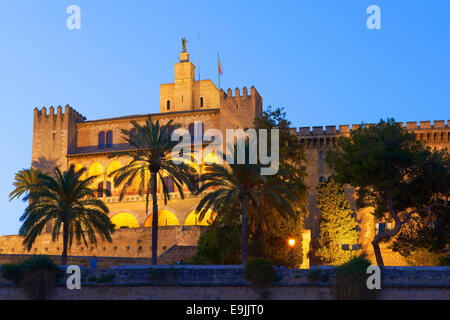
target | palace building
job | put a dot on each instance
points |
(63, 137)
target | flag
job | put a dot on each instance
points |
(220, 67)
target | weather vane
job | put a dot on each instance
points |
(183, 43)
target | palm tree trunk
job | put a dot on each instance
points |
(244, 240)
(65, 242)
(155, 220)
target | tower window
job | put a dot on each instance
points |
(100, 190)
(101, 140)
(168, 104)
(109, 138)
(201, 102)
(108, 189)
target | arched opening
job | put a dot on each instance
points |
(101, 140)
(113, 166)
(78, 167)
(193, 219)
(165, 218)
(109, 139)
(96, 169)
(124, 220)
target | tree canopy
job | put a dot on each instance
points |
(392, 172)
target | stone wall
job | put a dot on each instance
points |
(227, 283)
(131, 243)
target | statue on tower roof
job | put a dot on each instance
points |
(183, 43)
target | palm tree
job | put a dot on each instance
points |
(150, 157)
(68, 201)
(25, 181)
(243, 184)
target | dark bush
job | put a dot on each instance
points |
(351, 282)
(37, 276)
(260, 272)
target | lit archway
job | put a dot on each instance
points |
(96, 169)
(165, 218)
(78, 167)
(193, 219)
(124, 220)
(113, 166)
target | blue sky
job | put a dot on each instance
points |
(317, 59)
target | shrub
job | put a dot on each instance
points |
(260, 272)
(351, 280)
(444, 261)
(37, 276)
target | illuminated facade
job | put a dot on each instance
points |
(63, 138)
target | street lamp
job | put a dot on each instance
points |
(291, 243)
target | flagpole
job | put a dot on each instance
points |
(218, 68)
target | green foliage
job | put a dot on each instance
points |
(427, 234)
(260, 272)
(25, 181)
(393, 172)
(243, 186)
(151, 156)
(423, 258)
(291, 153)
(444, 261)
(37, 276)
(274, 240)
(337, 223)
(66, 200)
(219, 245)
(253, 196)
(351, 282)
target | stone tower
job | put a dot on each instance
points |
(54, 136)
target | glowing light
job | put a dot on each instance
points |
(291, 242)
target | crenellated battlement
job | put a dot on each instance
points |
(342, 129)
(237, 93)
(68, 110)
(238, 111)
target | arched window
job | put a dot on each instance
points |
(108, 189)
(101, 140)
(100, 190)
(109, 139)
(201, 102)
(168, 104)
